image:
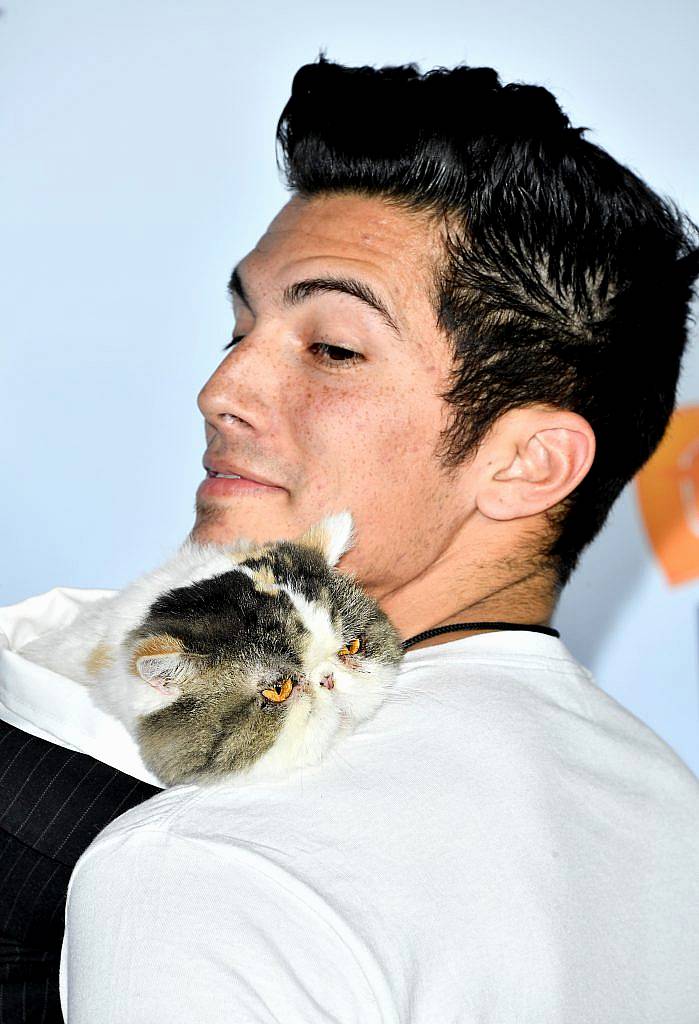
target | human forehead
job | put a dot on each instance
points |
(394, 249)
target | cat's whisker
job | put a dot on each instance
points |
(395, 696)
(352, 768)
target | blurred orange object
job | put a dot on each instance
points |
(668, 495)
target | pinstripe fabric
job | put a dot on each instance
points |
(53, 802)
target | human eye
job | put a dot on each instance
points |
(325, 351)
(232, 342)
(346, 356)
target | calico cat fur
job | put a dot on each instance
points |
(247, 660)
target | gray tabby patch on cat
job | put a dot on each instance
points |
(246, 659)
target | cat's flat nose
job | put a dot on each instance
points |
(328, 681)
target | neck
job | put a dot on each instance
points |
(506, 591)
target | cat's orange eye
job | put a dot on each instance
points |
(279, 692)
(353, 647)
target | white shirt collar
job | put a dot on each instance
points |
(51, 706)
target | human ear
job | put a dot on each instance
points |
(535, 458)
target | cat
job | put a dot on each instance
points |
(244, 661)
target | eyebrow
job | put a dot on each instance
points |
(300, 291)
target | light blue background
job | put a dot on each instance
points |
(138, 166)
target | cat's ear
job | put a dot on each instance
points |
(161, 660)
(164, 672)
(332, 536)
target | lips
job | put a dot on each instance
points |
(215, 468)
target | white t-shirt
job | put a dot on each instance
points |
(503, 843)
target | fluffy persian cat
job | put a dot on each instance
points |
(247, 659)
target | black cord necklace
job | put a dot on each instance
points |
(478, 625)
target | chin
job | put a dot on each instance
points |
(214, 524)
(220, 524)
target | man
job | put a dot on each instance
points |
(467, 329)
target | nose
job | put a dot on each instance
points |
(222, 401)
(328, 681)
(243, 388)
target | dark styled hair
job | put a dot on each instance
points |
(565, 280)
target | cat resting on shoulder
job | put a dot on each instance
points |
(247, 659)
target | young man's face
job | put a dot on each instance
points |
(286, 407)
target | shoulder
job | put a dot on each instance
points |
(532, 711)
(28, 619)
(151, 894)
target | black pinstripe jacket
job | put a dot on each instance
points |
(53, 802)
